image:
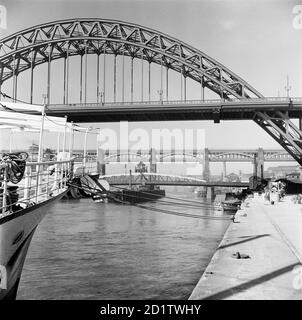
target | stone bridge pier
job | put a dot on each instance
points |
(206, 165)
(153, 160)
(260, 162)
(101, 164)
(209, 191)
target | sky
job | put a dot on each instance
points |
(256, 39)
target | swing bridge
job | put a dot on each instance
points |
(160, 179)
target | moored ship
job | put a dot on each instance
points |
(136, 195)
(27, 191)
(140, 193)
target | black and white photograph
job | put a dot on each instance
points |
(150, 151)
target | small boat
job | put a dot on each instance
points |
(231, 206)
(219, 198)
(218, 206)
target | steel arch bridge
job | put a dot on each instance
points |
(45, 43)
(213, 155)
(146, 155)
(60, 39)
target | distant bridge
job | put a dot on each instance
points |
(255, 156)
(213, 155)
(166, 180)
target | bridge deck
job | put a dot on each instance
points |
(175, 110)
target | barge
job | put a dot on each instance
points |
(141, 194)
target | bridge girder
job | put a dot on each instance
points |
(229, 156)
(166, 180)
(145, 155)
(283, 130)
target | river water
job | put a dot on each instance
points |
(88, 250)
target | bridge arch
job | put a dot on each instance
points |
(47, 42)
(229, 155)
(180, 154)
(60, 39)
(111, 156)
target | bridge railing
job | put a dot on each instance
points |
(177, 102)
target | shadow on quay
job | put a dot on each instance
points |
(243, 241)
(244, 286)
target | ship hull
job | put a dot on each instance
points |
(136, 196)
(16, 232)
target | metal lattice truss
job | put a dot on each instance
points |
(59, 39)
(137, 178)
(277, 155)
(165, 179)
(240, 156)
(127, 157)
(283, 130)
(145, 156)
(47, 42)
(248, 155)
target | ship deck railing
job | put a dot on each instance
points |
(41, 182)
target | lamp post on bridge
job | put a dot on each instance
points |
(160, 92)
(85, 146)
(101, 97)
(287, 87)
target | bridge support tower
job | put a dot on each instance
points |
(206, 165)
(260, 163)
(255, 166)
(210, 193)
(224, 174)
(153, 160)
(101, 164)
(206, 174)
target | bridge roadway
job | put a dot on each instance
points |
(216, 110)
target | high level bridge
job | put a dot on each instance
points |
(213, 155)
(146, 62)
(255, 156)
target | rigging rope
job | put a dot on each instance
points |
(14, 165)
(176, 213)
